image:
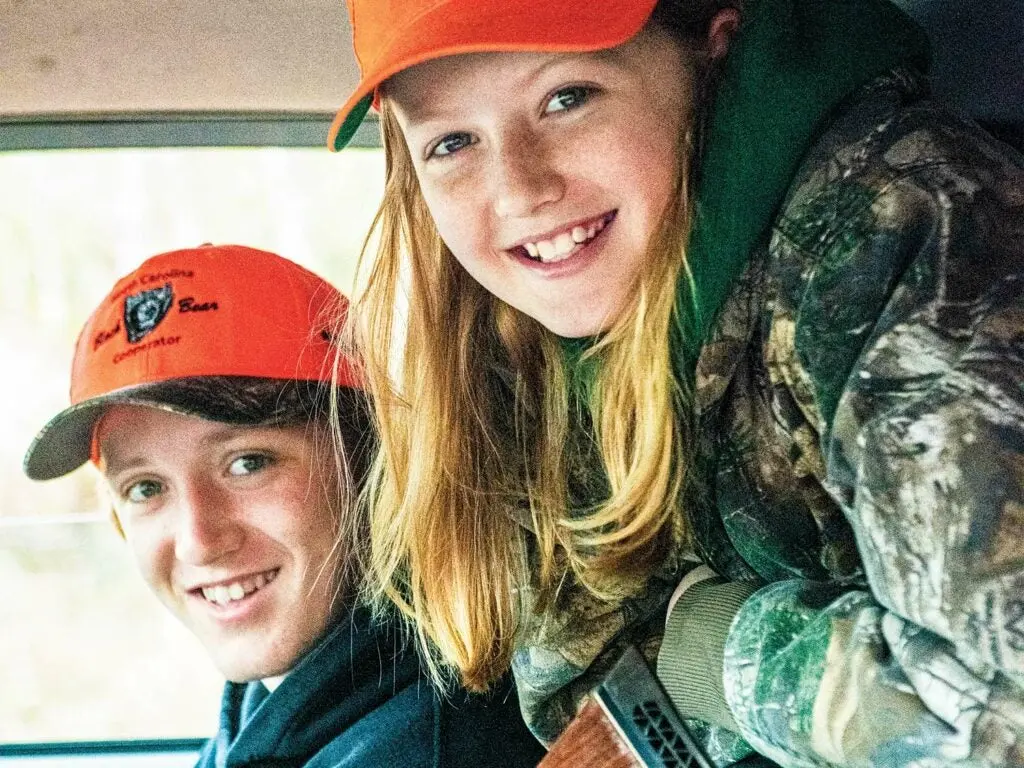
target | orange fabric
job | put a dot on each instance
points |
(222, 310)
(392, 35)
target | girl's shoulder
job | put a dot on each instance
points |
(899, 198)
(901, 231)
(890, 158)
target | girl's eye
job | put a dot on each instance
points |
(450, 144)
(567, 98)
(143, 491)
(249, 464)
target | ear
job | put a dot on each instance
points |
(721, 30)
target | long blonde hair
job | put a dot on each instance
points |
(488, 434)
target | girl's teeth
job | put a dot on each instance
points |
(545, 249)
(564, 244)
(236, 591)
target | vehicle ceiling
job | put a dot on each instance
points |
(275, 70)
(144, 71)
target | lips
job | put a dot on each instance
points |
(561, 245)
(226, 592)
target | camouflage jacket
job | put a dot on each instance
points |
(860, 409)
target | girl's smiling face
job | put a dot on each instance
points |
(547, 173)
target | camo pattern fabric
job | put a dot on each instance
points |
(863, 404)
(860, 412)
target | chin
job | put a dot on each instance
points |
(243, 673)
(576, 322)
(240, 664)
(577, 327)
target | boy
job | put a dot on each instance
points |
(200, 389)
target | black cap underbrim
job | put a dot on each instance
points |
(65, 443)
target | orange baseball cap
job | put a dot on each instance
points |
(224, 310)
(392, 35)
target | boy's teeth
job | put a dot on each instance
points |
(545, 249)
(579, 234)
(531, 248)
(222, 594)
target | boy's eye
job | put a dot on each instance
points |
(248, 464)
(450, 144)
(570, 97)
(143, 491)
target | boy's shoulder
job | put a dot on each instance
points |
(367, 703)
(418, 728)
(482, 730)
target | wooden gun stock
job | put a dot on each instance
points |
(627, 722)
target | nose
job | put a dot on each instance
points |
(208, 527)
(524, 176)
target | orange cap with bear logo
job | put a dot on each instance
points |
(225, 310)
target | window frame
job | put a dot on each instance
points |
(134, 131)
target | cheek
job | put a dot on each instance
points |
(153, 553)
(658, 137)
(458, 216)
(323, 533)
(657, 183)
(650, 167)
(309, 523)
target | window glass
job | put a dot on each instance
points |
(85, 651)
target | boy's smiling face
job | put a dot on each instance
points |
(547, 173)
(232, 528)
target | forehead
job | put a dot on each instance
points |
(426, 89)
(132, 433)
(123, 420)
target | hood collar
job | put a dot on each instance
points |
(791, 64)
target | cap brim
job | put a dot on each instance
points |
(594, 26)
(348, 120)
(65, 443)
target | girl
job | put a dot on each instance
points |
(695, 283)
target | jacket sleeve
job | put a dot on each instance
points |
(921, 287)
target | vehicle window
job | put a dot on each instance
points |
(85, 651)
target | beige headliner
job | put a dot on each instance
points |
(73, 57)
(144, 56)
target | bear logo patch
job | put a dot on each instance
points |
(144, 311)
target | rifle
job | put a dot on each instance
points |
(627, 721)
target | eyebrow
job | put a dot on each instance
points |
(229, 432)
(111, 467)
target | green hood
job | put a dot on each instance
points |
(791, 64)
